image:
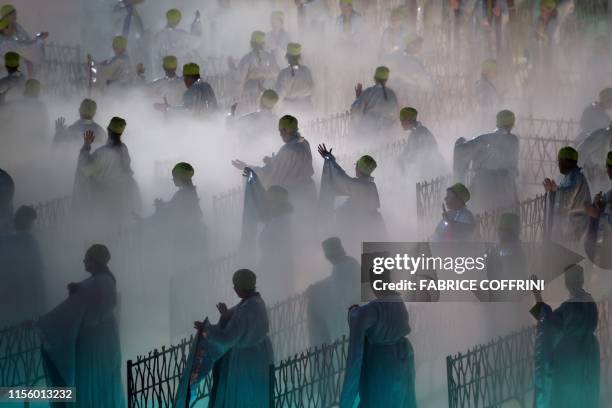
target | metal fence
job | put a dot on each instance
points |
(502, 370)
(429, 196)
(20, 358)
(50, 214)
(532, 214)
(63, 70)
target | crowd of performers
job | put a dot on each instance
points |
(80, 336)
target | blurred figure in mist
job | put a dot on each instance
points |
(458, 223)
(599, 237)
(254, 129)
(493, 159)
(13, 37)
(488, 98)
(358, 219)
(330, 298)
(373, 113)
(117, 73)
(181, 217)
(127, 22)
(80, 337)
(420, 159)
(171, 86)
(271, 210)
(198, 100)
(567, 361)
(568, 198)
(258, 69)
(104, 183)
(22, 293)
(241, 347)
(172, 40)
(350, 24)
(277, 38)
(12, 85)
(29, 119)
(593, 160)
(290, 168)
(380, 368)
(7, 192)
(596, 116)
(598, 65)
(409, 73)
(393, 36)
(74, 133)
(294, 84)
(542, 40)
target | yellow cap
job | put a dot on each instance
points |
(11, 59)
(184, 170)
(346, 2)
(366, 164)
(191, 69)
(288, 122)
(549, 4)
(6, 10)
(381, 74)
(488, 66)
(117, 125)
(461, 191)
(4, 22)
(170, 62)
(258, 37)
(408, 113)
(294, 49)
(277, 15)
(88, 108)
(173, 16)
(505, 118)
(568, 153)
(120, 42)
(244, 279)
(269, 98)
(31, 88)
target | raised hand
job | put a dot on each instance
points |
(222, 308)
(322, 149)
(444, 213)
(358, 90)
(239, 164)
(537, 294)
(88, 138)
(60, 124)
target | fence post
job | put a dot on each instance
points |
(449, 381)
(130, 384)
(271, 391)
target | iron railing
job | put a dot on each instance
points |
(20, 358)
(491, 374)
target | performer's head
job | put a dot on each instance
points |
(11, 62)
(173, 17)
(457, 196)
(333, 249)
(346, 8)
(505, 119)
(413, 44)
(258, 40)
(365, 166)
(489, 69)
(574, 278)
(268, 99)
(96, 258)
(120, 45)
(191, 74)
(170, 64)
(182, 174)
(567, 159)
(87, 109)
(277, 20)
(508, 228)
(287, 127)
(244, 281)
(381, 75)
(115, 129)
(24, 218)
(408, 117)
